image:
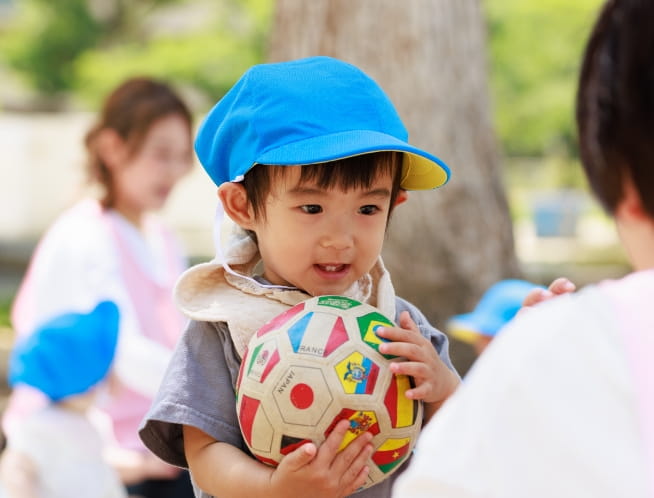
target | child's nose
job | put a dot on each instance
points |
(338, 235)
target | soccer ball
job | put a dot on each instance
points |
(314, 365)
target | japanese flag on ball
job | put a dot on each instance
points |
(314, 365)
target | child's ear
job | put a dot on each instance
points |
(402, 196)
(234, 199)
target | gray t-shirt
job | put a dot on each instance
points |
(199, 390)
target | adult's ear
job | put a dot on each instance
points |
(630, 206)
(111, 148)
(234, 199)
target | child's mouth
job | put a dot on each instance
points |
(332, 269)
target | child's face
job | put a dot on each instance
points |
(144, 180)
(321, 240)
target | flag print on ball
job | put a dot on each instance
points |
(314, 365)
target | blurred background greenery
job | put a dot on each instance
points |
(71, 52)
(66, 55)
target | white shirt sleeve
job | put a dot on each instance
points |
(547, 410)
(75, 267)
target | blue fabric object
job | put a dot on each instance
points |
(307, 111)
(497, 306)
(68, 354)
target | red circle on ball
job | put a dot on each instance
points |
(301, 396)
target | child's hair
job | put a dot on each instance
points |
(130, 110)
(352, 172)
(615, 103)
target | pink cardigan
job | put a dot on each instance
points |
(155, 312)
(632, 298)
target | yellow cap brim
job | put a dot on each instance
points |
(422, 173)
(468, 336)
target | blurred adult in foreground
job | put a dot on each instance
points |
(497, 307)
(562, 403)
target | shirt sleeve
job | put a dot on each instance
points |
(74, 267)
(197, 390)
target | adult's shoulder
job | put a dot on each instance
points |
(566, 318)
(78, 229)
(571, 340)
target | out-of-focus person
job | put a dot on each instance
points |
(57, 451)
(562, 403)
(113, 246)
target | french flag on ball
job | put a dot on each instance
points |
(308, 336)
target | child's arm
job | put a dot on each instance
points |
(224, 470)
(435, 382)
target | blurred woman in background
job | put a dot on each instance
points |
(113, 247)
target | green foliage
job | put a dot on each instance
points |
(209, 59)
(212, 70)
(5, 308)
(47, 38)
(66, 47)
(535, 50)
(63, 46)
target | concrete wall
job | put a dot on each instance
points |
(41, 172)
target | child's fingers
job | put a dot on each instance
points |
(329, 448)
(561, 286)
(536, 296)
(407, 331)
(406, 322)
(357, 472)
(299, 458)
(408, 350)
(353, 457)
(358, 481)
(350, 464)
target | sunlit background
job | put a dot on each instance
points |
(59, 58)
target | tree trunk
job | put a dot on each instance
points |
(444, 247)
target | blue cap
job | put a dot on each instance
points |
(68, 354)
(307, 111)
(497, 306)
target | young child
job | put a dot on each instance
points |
(114, 246)
(562, 404)
(495, 309)
(57, 452)
(310, 158)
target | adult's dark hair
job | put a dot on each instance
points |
(615, 102)
(130, 110)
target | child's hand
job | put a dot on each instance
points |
(434, 382)
(325, 471)
(559, 286)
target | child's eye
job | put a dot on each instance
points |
(368, 210)
(311, 208)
